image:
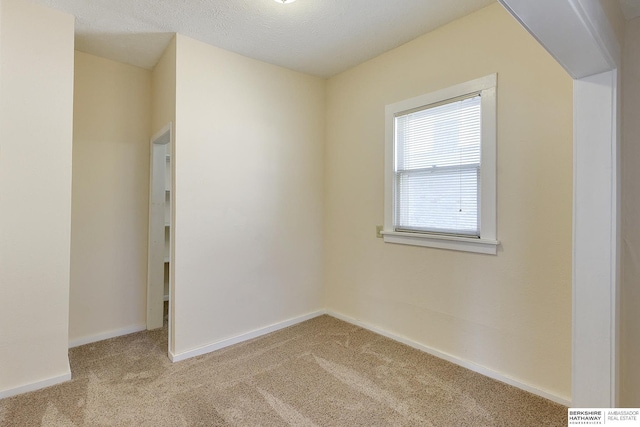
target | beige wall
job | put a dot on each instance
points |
(248, 194)
(630, 298)
(509, 313)
(111, 122)
(36, 79)
(258, 192)
(163, 89)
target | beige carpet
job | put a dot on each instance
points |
(323, 372)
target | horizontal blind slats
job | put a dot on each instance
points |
(437, 168)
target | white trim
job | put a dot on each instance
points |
(595, 260)
(456, 360)
(487, 244)
(575, 32)
(597, 22)
(35, 386)
(243, 337)
(107, 335)
(460, 89)
(481, 246)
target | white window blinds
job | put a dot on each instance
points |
(437, 168)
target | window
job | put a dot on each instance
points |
(440, 188)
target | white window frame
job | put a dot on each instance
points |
(487, 243)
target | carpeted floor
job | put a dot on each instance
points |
(323, 372)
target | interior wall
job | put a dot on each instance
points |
(36, 110)
(111, 122)
(510, 313)
(163, 89)
(248, 195)
(630, 298)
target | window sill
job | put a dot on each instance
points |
(481, 246)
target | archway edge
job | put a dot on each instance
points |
(580, 37)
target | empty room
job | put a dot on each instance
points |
(310, 212)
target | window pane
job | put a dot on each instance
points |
(437, 168)
(443, 202)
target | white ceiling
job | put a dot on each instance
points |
(630, 8)
(319, 37)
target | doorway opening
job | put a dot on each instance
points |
(160, 214)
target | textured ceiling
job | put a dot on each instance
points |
(630, 8)
(319, 37)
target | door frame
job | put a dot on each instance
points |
(159, 144)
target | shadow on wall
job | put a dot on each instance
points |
(140, 49)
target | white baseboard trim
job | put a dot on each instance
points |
(243, 337)
(454, 359)
(106, 335)
(35, 386)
